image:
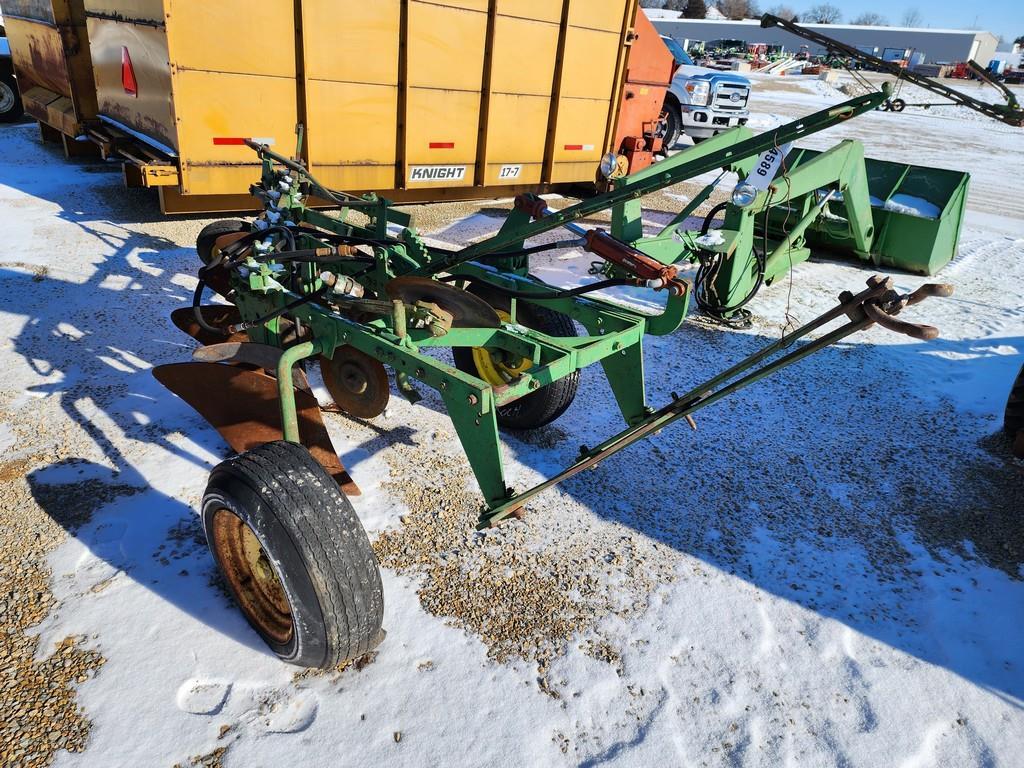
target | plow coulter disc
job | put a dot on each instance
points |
(243, 406)
(357, 383)
(467, 310)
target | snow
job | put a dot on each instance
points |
(710, 240)
(912, 206)
(815, 616)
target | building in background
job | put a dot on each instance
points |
(932, 46)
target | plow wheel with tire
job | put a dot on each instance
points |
(499, 368)
(294, 555)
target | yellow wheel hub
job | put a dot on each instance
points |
(496, 366)
(247, 568)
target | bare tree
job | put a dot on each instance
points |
(871, 19)
(912, 18)
(823, 13)
(695, 9)
(652, 3)
(783, 12)
(676, 5)
(735, 9)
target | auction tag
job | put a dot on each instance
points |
(767, 167)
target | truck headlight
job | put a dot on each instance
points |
(609, 165)
(698, 91)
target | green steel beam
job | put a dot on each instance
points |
(679, 167)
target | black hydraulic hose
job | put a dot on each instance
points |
(310, 254)
(251, 237)
(575, 243)
(197, 298)
(556, 294)
(708, 271)
(706, 226)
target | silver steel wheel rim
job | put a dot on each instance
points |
(7, 98)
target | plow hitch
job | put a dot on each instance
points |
(879, 303)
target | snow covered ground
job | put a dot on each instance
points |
(826, 573)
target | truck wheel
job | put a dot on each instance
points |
(206, 241)
(11, 108)
(537, 408)
(673, 125)
(1013, 417)
(294, 555)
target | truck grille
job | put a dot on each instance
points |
(731, 97)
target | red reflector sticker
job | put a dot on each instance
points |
(237, 141)
(131, 87)
(442, 145)
(571, 147)
(579, 147)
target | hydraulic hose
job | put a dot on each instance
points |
(708, 271)
(197, 298)
(556, 294)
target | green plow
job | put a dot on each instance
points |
(510, 333)
(357, 292)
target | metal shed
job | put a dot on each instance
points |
(937, 45)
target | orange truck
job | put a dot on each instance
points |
(417, 100)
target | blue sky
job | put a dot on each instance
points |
(1001, 17)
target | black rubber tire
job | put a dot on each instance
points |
(546, 404)
(17, 109)
(317, 545)
(209, 234)
(1013, 417)
(697, 139)
(673, 124)
(897, 105)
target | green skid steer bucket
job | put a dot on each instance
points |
(917, 213)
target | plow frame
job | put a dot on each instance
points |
(614, 333)
(615, 340)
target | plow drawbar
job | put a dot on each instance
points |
(356, 291)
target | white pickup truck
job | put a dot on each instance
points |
(702, 102)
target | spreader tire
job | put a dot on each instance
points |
(898, 105)
(546, 404)
(294, 555)
(11, 108)
(208, 236)
(1013, 417)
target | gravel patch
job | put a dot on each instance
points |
(37, 696)
(38, 685)
(525, 593)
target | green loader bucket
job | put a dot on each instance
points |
(917, 213)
